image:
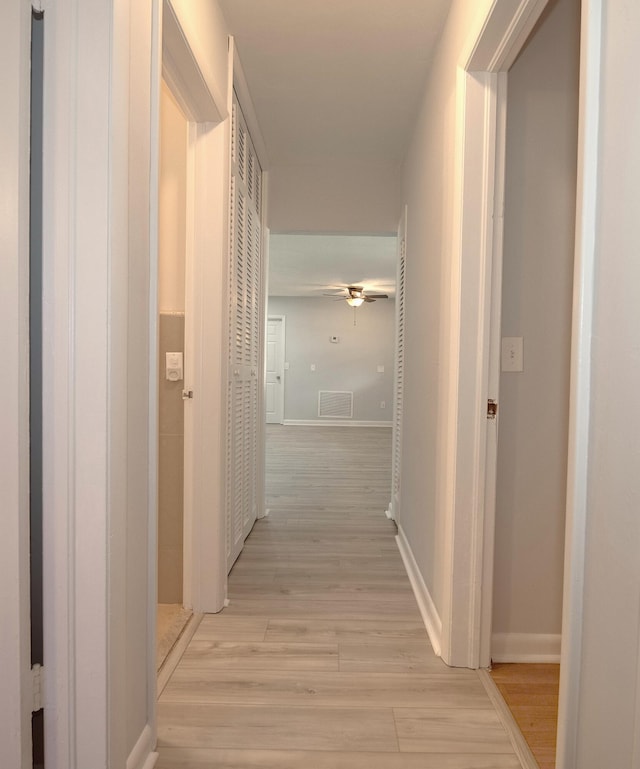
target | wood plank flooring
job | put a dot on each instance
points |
(321, 659)
(531, 693)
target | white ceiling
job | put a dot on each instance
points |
(309, 265)
(334, 81)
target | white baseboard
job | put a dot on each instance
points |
(430, 616)
(143, 756)
(525, 647)
(334, 423)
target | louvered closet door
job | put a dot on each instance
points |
(245, 294)
(399, 378)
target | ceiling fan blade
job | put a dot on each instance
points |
(341, 295)
(377, 296)
(368, 299)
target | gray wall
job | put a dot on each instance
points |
(542, 121)
(349, 365)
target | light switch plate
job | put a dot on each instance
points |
(380, 369)
(512, 354)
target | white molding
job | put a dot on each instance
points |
(580, 383)
(152, 385)
(15, 674)
(334, 423)
(503, 35)
(183, 74)
(427, 607)
(143, 756)
(525, 647)
(518, 742)
(243, 93)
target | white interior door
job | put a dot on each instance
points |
(274, 387)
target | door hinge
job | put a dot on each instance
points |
(37, 688)
(492, 409)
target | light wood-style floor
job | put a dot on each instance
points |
(321, 660)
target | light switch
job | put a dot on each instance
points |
(173, 366)
(334, 339)
(380, 369)
(286, 366)
(512, 353)
(313, 367)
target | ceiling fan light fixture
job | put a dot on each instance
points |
(355, 301)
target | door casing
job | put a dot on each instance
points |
(472, 326)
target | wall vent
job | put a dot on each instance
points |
(335, 403)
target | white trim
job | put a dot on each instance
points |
(525, 647)
(518, 742)
(204, 576)
(467, 330)
(241, 88)
(427, 607)
(493, 343)
(580, 386)
(182, 72)
(143, 756)
(334, 423)
(15, 674)
(153, 391)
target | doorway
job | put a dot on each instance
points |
(172, 241)
(536, 327)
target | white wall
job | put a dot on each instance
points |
(349, 365)
(427, 189)
(542, 121)
(609, 698)
(336, 198)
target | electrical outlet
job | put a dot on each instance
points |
(313, 367)
(380, 369)
(383, 404)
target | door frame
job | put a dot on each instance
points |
(15, 704)
(474, 297)
(204, 575)
(283, 320)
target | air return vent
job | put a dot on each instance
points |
(335, 403)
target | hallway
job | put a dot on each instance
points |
(321, 660)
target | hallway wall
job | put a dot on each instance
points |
(349, 365)
(342, 197)
(427, 189)
(537, 293)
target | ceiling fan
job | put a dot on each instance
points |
(356, 295)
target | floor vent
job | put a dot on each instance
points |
(335, 403)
